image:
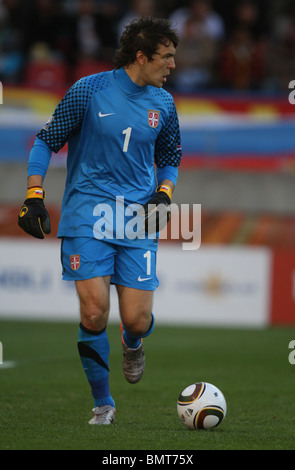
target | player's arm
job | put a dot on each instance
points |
(33, 217)
(66, 120)
(163, 194)
(167, 158)
(157, 209)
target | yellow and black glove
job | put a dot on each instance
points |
(157, 210)
(33, 217)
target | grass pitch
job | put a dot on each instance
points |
(45, 399)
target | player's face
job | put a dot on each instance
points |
(156, 71)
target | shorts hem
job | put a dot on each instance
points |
(66, 277)
(132, 286)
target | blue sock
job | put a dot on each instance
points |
(132, 341)
(94, 352)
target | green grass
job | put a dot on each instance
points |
(45, 400)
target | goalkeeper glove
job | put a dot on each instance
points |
(157, 210)
(33, 217)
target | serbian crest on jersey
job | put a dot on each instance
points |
(153, 118)
(75, 262)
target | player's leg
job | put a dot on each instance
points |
(137, 323)
(136, 314)
(93, 293)
(94, 302)
(93, 343)
(135, 277)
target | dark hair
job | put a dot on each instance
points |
(144, 34)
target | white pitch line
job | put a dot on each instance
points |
(7, 365)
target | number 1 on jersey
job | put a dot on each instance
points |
(127, 133)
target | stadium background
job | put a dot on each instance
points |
(237, 132)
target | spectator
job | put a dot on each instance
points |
(283, 48)
(212, 23)
(200, 30)
(242, 61)
(243, 57)
(45, 24)
(12, 26)
(247, 15)
(138, 8)
(95, 29)
(86, 30)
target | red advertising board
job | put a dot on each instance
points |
(283, 288)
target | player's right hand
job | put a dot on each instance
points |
(33, 217)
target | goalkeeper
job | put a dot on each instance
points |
(120, 125)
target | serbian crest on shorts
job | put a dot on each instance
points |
(75, 262)
(153, 118)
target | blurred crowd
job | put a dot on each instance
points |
(228, 45)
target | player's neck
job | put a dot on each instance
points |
(134, 74)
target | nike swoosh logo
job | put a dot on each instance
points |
(104, 115)
(140, 279)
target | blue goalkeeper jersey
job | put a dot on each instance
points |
(117, 132)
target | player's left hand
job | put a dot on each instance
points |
(157, 210)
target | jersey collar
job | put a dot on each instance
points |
(123, 80)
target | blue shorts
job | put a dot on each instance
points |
(85, 258)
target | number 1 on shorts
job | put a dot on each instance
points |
(147, 255)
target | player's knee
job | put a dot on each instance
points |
(94, 313)
(139, 324)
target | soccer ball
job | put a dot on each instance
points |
(201, 406)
